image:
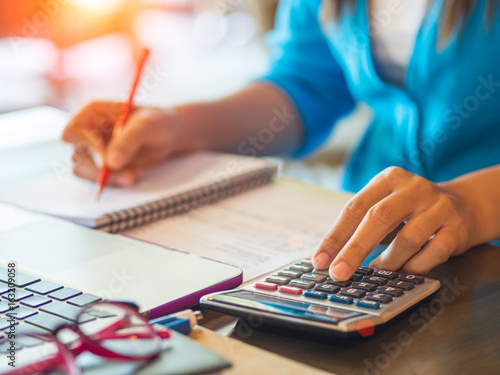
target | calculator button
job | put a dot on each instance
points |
(301, 268)
(365, 271)
(365, 286)
(369, 304)
(266, 286)
(304, 284)
(314, 294)
(290, 273)
(290, 290)
(327, 288)
(386, 274)
(356, 277)
(375, 280)
(351, 292)
(321, 272)
(380, 297)
(44, 287)
(341, 299)
(306, 262)
(406, 285)
(343, 284)
(412, 278)
(280, 280)
(314, 277)
(396, 292)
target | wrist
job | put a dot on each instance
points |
(472, 207)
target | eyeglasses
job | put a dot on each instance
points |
(107, 329)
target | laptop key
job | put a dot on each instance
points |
(35, 301)
(64, 294)
(62, 310)
(46, 321)
(20, 279)
(21, 294)
(84, 300)
(22, 313)
(44, 287)
(4, 288)
(6, 323)
(5, 306)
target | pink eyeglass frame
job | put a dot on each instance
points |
(65, 356)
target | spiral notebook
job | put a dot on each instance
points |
(175, 187)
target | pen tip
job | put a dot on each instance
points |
(99, 192)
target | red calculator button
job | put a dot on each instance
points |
(290, 290)
(266, 286)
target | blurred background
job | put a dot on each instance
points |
(64, 53)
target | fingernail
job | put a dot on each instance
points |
(116, 159)
(340, 271)
(321, 261)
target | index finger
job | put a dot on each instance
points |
(94, 123)
(349, 219)
(378, 222)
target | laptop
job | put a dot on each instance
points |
(93, 265)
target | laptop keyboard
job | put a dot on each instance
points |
(40, 305)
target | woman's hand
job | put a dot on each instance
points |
(149, 136)
(434, 215)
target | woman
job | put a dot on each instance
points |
(426, 166)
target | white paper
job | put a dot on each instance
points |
(258, 231)
(65, 195)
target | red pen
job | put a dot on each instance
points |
(102, 179)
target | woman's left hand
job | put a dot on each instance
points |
(434, 215)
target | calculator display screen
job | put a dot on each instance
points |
(292, 308)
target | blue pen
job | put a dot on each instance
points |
(181, 321)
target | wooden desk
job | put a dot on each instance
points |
(457, 331)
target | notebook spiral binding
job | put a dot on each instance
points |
(184, 202)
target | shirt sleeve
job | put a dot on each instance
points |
(302, 64)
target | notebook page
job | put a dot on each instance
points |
(73, 198)
(258, 231)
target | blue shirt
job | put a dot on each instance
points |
(443, 123)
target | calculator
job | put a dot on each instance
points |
(304, 298)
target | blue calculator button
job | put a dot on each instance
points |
(313, 294)
(341, 299)
(369, 304)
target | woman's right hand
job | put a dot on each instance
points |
(150, 135)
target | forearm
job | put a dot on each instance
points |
(480, 190)
(258, 120)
